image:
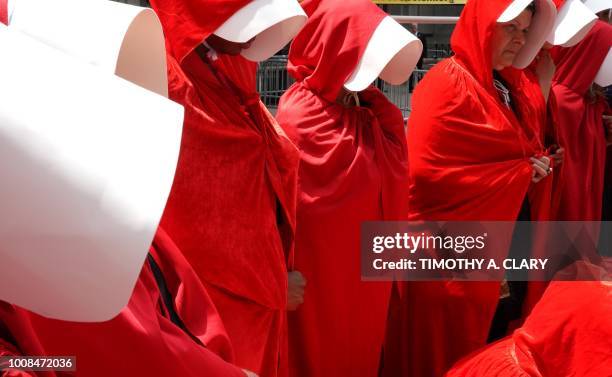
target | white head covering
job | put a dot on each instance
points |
(130, 47)
(597, 6)
(391, 54)
(541, 25)
(574, 21)
(273, 23)
(87, 158)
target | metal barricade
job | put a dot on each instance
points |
(401, 95)
(273, 80)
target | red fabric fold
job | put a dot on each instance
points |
(568, 333)
(352, 169)
(232, 206)
(141, 340)
(469, 161)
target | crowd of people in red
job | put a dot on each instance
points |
(242, 277)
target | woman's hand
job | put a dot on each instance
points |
(541, 168)
(558, 156)
(248, 373)
(295, 292)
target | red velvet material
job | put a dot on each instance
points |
(232, 206)
(579, 121)
(352, 169)
(569, 333)
(141, 340)
(469, 160)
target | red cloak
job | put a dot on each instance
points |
(468, 160)
(352, 169)
(569, 333)
(141, 340)
(578, 119)
(232, 206)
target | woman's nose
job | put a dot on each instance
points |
(520, 37)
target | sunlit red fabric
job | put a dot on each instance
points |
(352, 169)
(569, 333)
(232, 205)
(468, 160)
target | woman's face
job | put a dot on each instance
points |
(509, 38)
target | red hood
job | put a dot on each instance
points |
(187, 23)
(328, 48)
(473, 37)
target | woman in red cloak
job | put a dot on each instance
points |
(475, 141)
(232, 207)
(578, 116)
(352, 169)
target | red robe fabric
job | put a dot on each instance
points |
(141, 340)
(569, 333)
(232, 206)
(579, 121)
(468, 160)
(352, 169)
